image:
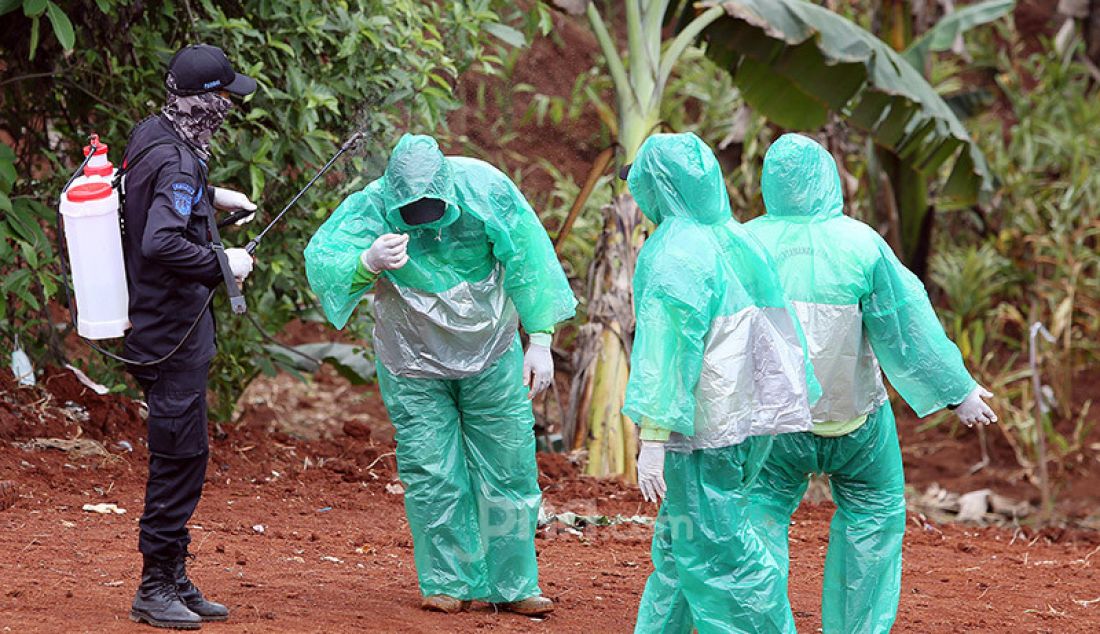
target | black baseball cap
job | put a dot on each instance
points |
(201, 68)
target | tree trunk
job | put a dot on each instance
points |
(602, 356)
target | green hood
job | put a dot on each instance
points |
(677, 176)
(800, 180)
(417, 169)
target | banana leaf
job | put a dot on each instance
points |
(796, 62)
(941, 36)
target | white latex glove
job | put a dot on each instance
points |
(538, 369)
(240, 262)
(651, 470)
(229, 200)
(387, 253)
(974, 410)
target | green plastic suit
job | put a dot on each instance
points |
(718, 361)
(860, 309)
(449, 358)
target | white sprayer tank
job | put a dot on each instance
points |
(94, 242)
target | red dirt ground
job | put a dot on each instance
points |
(63, 569)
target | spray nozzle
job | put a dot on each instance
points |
(352, 140)
(252, 244)
(94, 147)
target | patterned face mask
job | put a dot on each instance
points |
(196, 117)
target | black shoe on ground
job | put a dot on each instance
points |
(192, 597)
(158, 602)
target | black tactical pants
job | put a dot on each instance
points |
(178, 452)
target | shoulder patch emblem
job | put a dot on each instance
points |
(183, 198)
(182, 203)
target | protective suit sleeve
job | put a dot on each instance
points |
(533, 277)
(332, 256)
(163, 242)
(362, 280)
(651, 431)
(923, 365)
(544, 338)
(672, 317)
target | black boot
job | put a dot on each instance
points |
(207, 610)
(158, 602)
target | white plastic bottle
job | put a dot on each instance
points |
(94, 243)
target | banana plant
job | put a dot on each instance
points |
(601, 359)
(799, 64)
(908, 186)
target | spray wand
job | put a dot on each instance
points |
(255, 242)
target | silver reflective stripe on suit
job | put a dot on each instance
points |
(450, 335)
(753, 381)
(844, 363)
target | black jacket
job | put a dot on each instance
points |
(170, 265)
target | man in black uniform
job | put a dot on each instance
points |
(172, 266)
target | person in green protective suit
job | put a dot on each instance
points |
(718, 367)
(457, 260)
(860, 309)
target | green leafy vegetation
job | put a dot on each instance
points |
(325, 68)
(1033, 255)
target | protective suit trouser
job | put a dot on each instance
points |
(863, 566)
(712, 571)
(466, 454)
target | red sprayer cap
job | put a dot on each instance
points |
(101, 170)
(89, 192)
(101, 148)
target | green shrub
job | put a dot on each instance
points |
(1040, 257)
(325, 68)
